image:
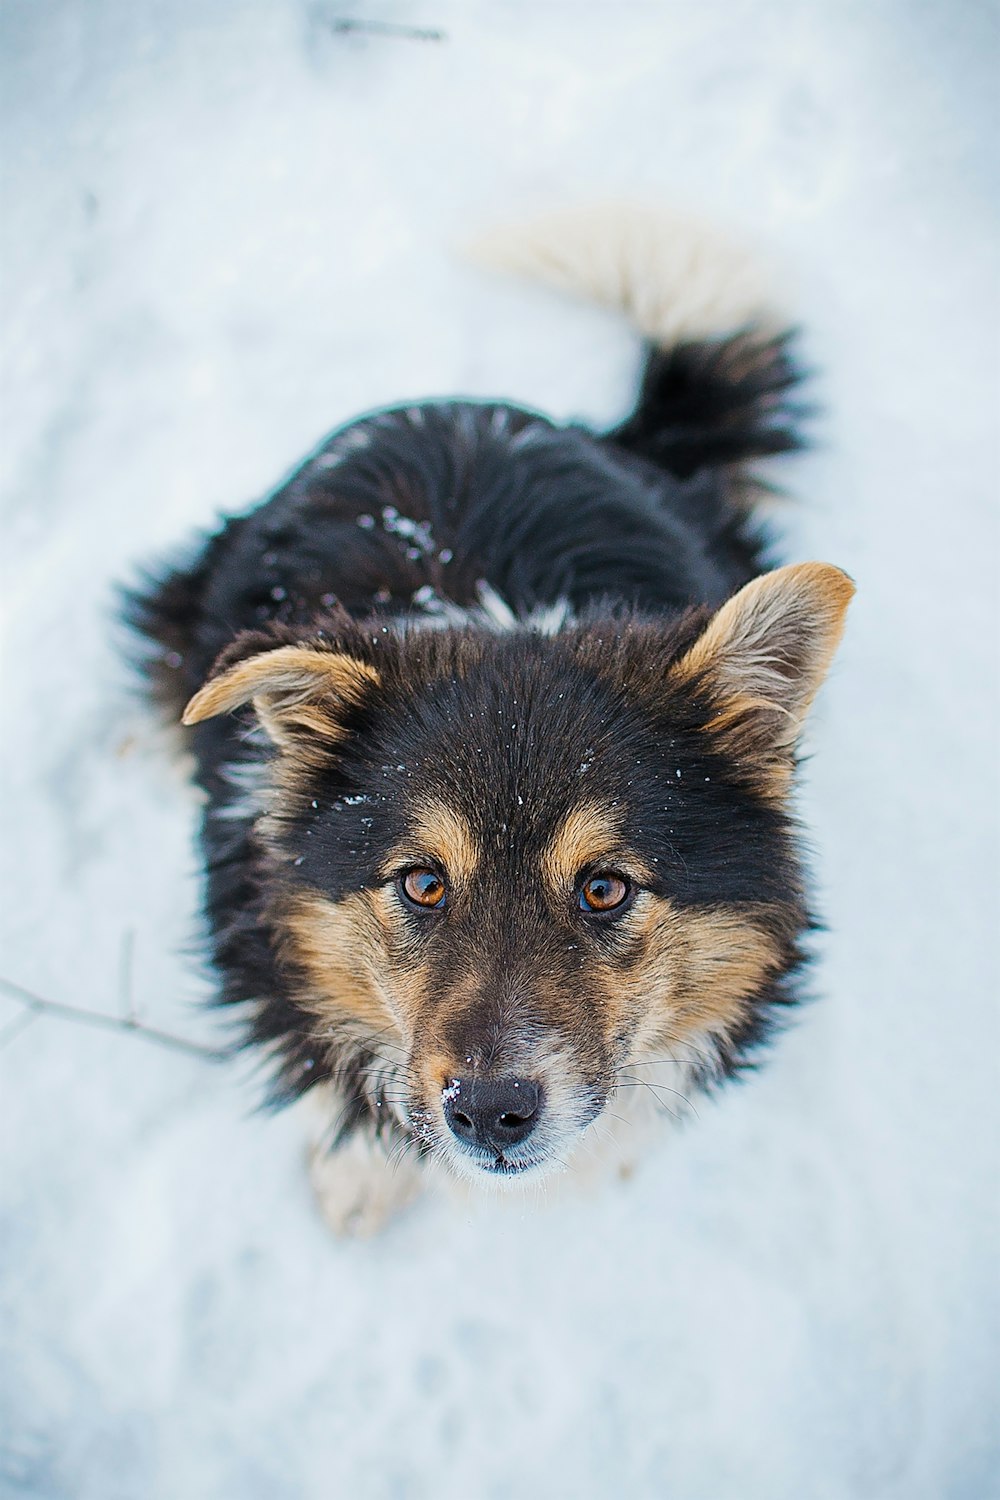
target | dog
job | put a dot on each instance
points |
(496, 721)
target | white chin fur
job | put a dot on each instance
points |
(468, 1170)
(672, 276)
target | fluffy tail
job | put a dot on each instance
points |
(716, 386)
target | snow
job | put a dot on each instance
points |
(230, 227)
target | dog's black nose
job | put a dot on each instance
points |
(494, 1113)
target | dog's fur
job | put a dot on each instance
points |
(535, 663)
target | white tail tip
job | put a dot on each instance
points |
(673, 277)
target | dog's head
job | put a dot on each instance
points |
(507, 870)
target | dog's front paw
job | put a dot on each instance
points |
(357, 1188)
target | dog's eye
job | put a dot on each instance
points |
(603, 892)
(423, 887)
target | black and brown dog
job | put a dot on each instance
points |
(497, 724)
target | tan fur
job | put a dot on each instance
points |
(437, 1069)
(683, 972)
(762, 659)
(441, 835)
(287, 687)
(673, 277)
(705, 964)
(339, 947)
(588, 834)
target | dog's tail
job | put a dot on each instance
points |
(719, 375)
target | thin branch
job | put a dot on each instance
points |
(126, 990)
(20, 1023)
(37, 1005)
(344, 25)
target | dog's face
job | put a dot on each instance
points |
(509, 870)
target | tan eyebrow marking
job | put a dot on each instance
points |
(589, 833)
(439, 833)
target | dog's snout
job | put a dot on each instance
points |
(494, 1113)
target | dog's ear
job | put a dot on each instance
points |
(760, 660)
(297, 691)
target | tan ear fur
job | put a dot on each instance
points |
(287, 687)
(762, 658)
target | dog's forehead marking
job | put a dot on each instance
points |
(441, 833)
(587, 833)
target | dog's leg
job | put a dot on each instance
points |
(359, 1185)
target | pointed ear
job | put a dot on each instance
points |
(293, 689)
(760, 661)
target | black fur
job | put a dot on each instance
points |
(646, 528)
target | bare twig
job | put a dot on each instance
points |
(344, 25)
(20, 1023)
(126, 990)
(37, 1005)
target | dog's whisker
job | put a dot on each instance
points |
(397, 1155)
(655, 1062)
(653, 1090)
(645, 1083)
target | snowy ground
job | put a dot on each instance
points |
(229, 227)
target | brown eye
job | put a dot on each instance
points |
(604, 892)
(423, 887)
